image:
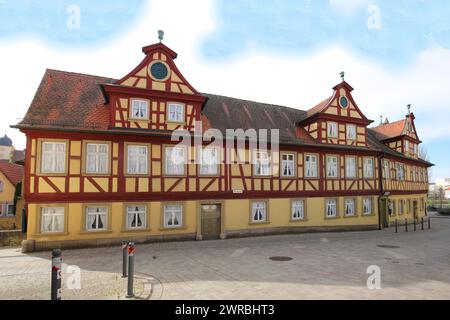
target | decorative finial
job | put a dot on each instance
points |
(160, 35)
(409, 109)
(342, 74)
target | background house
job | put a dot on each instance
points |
(11, 202)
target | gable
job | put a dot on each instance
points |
(158, 72)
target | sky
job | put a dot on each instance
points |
(288, 52)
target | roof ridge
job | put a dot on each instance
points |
(79, 74)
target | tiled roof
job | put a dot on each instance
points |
(319, 107)
(13, 172)
(389, 130)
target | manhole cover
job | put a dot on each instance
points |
(280, 258)
(387, 246)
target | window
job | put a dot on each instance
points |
(409, 207)
(261, 163)
(332, 130)
(350, 167)
(1, 186)
(209, 161)
(332, 167)
(368, 167)
(394, 207)
(7, 210)
(52, 220)
(136, 217)
(400, 171)
(259, 212)
(415, 150)
(174, 161)
(387, 169)
(331, 208)
(97, 158)
(311, 166)
(137, 161)
(402, 205)
(406, 146)
(298, 210)
(53, 157)
(351, 132)
(287, 165)
(139, 109)
(350, 207)
(414, 173)
(173, 216)
(367, 206)
(175, 112)
(96, 218)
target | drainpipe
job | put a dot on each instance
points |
(380, 181)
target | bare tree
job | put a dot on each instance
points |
(423, 154)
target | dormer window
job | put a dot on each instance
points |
(406, 146)
(139, 109)
(332, 130)
(351, 132)
(175, 112)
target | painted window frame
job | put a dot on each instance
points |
(165, 159)
(315, 168)
(42, 213)
(257, 161)
(40, 165)
(168, 112)
(347, 127)
(304, 207)
(200, 151)
(128, 226)
(39, 210)
(107, 223)
(165, 224)
(355, 168)
(331, 124)
(372, 204)
(132, 116)
(387, 169)
(327, 162)
(336, 206)
(294, 164)
(127, 159)
(355, 207)
(372, 171)
(85, 145)
(252, 221)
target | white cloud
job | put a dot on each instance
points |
(301, 81)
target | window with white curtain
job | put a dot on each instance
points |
(137, 161)
(350, 167)
(287, 164)
(139, 109)
(97, 158)
(175, 161)
(331, 208)
(298, 210)
(387, 169)
(261, 163)
(175, 112)
(332, 167)
(209, 161)
(259, 211)
(368, 167)
(332, 129)
(53, 157)
(96, 218)
(350, 207)
(367, 206)
(311, 166)
(406, 146)
(400, 171)
(351, 132)
(52, 220)
(173, 216)
(136, 217)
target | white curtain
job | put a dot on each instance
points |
(259, 211)
(175, 161)
(173, 216)
(298, 210)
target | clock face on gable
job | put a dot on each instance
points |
(159, 71)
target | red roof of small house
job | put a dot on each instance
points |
(319, 108)
(390, 130)
(13, 172)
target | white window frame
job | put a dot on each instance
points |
(4, 210)
(54, 156)
(406, 146)
(300, 206)
(209, 166)
(173, 213)
(100, 211)
(368, 168)
(170, 162)
(350, 207)
(53, 213)
(288, 164)
(387, 169)
(331, 208)
(330, 132)
(259, 211)
(261, 164)
(349, 132)
(179, 116)
(351, 173)
(331, 165)
(132, 213)
(136, 106)
(98, 158)
(400, 173)
(136, 158)
(367, 206)
(311, 167)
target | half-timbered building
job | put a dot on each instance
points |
(100, 162)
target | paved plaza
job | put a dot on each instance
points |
(414, 265)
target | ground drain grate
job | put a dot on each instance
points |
(280, 258)
(387, 246)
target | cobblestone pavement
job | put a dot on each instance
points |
(414, 265)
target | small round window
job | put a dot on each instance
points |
(343, 102)
(159, 71)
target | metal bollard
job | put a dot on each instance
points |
(396, 226)
(429, 223)
(124, 258)
(131, 251)
(422, 222)
(56, 274)
(406, 225)
(415, 224)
